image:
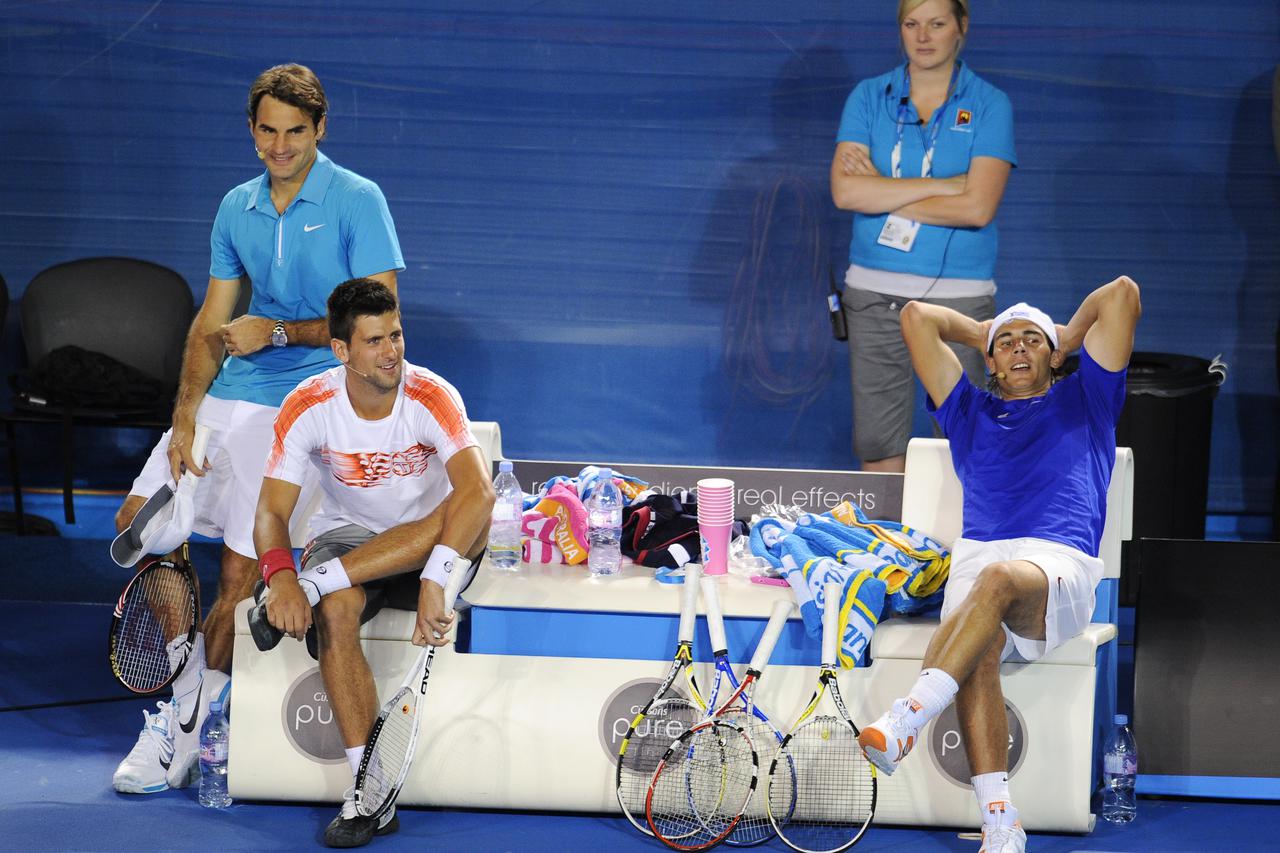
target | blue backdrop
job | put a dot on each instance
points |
(615, 215)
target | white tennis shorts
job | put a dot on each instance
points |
(1073, 577)
(227, 495)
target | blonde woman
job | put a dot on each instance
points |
(922, 158)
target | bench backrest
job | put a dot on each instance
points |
(932, 500)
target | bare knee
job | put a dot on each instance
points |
(996, 584)
(338, 615)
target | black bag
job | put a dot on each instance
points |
(71, 378)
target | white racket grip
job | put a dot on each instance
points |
(199, 443)
(689, 603)
(772, 631)
(715, 617)
(830, 622)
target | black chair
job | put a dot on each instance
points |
(134, 311)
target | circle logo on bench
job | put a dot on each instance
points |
(621, 708)
(308, 720)
(946, 744)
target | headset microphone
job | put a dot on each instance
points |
(261, 156)
(1001, 375)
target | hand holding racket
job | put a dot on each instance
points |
(388, 754)
(821, 789)
(665, 717)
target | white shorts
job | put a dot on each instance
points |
(227, 495)
(1073, 576)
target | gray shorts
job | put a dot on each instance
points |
(884, 385)
(398, 591)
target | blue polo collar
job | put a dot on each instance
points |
(313, 188)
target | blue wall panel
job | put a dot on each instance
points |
(615, 217)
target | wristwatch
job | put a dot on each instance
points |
(278, 337)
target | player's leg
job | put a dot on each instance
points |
(353, 696)
(985, 728)
(883, 384)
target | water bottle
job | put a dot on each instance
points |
(504, 528)
(604, 526)
(214, 742)
(1119, 770)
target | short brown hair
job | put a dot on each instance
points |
(296, 85)
(356, 298)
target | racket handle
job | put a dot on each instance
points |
(772, 631)
(453, 584)
(265, 635)
(715, 618)
(689, 602)
(199, 442)
(830, 622)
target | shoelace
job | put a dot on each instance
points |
(995, 837)
(157, 727)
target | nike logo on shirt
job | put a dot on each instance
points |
(190, 725)
(310, 228)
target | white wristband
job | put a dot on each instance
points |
(437, 568)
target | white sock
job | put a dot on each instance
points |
(354, 754)
(319, 581)
(992, 791)
(932, 693)
(189, 679)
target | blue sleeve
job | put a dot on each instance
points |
(955, 415)
(1104, 390)
(372, 245)
(855, 121)
(993, 133)
(224, 261)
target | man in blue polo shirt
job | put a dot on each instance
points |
(295, 232)
(1034, 455)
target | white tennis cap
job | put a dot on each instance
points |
(166, 519)
(1023, 311)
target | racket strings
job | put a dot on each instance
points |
(388, 752)
(702, 787)
(156, 609)
(647, 742)
(825, 798)
(754, 827)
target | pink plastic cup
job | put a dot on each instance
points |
(715, 547)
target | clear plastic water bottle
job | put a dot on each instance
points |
(504, 528)
(1119, 771)
(604, 526)
(214, 743)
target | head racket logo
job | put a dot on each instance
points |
(946, 744)
(621, 708)
(308, 720)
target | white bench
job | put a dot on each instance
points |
(1060, 703)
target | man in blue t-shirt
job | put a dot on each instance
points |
(294, 232)
(1034, 454)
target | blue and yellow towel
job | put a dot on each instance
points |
(884, 568)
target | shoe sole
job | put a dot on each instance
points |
(876, 750)
(128, 788)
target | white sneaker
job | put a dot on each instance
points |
(1003, 839)
(144, 769)
(888, 740)
(184, 769)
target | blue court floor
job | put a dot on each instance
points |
(65, 723)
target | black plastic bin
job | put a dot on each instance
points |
(1167, 421)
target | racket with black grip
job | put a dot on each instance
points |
(153, 625)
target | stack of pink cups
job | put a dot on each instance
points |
(715, 523)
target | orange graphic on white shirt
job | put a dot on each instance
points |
(365, 470)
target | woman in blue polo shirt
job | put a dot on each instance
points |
(922, 158)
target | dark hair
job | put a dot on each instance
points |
(296, 85)
(359, 297)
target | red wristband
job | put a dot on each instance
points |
(275, 560)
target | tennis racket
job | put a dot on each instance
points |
(388, 753)
(665, 717)
(742, 710)
(703, 788)
(821, 790)
(153, 625)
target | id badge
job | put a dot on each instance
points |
(898, 233)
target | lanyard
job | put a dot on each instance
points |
(926, 163)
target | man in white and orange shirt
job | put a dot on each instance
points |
(404, 484)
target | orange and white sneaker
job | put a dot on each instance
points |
(1001, 830)
(888, 740)
(1003, 839)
